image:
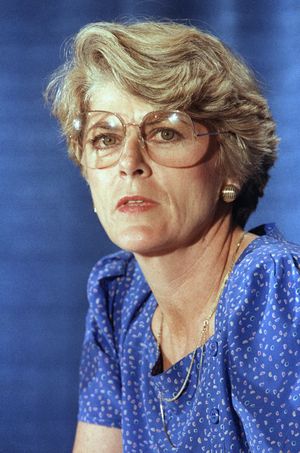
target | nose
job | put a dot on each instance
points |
(132, 161)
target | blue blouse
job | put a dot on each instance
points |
(247, 398)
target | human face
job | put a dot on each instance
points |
(145, 207)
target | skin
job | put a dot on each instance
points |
(184, 244)
(186, 198)
(97, 439)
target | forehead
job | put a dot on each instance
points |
(108, 96)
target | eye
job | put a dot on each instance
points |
(104, 141)
(167, 134)
(163, 135)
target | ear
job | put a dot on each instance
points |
(232, 182)
(77, 156)
(76, 149)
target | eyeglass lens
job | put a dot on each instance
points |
(169, 139)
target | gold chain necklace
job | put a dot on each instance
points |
(204, 331)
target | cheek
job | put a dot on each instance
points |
(199, 184)
(100, 187)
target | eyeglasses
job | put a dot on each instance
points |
(170, 138)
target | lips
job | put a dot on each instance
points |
(134, 201)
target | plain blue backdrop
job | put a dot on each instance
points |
(50, 237)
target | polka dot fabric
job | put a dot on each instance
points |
(247, 397)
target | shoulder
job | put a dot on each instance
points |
(108, 267)
(115, 275)
(117, 289)
(272, 255)
(262, 299)
(265, 283)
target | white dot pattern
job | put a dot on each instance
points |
(247, 397)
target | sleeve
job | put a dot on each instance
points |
(264, 358)
(100, 377)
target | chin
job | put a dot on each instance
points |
(139, 240)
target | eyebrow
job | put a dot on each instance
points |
(102, 123)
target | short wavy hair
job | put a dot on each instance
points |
(174, 66)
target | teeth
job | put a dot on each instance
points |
(135, 201)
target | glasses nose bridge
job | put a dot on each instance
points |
(131, 123)
(136, 125)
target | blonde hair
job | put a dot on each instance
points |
(174, 66)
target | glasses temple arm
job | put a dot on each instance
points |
(202, 134)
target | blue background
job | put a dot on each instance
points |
(50, 237)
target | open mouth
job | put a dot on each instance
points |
(135, 202)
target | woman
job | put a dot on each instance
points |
(192, 333)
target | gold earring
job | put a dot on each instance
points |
(229, 193)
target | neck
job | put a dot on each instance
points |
(186, 281)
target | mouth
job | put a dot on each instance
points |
(134, 203)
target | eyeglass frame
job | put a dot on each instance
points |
(124, 124)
